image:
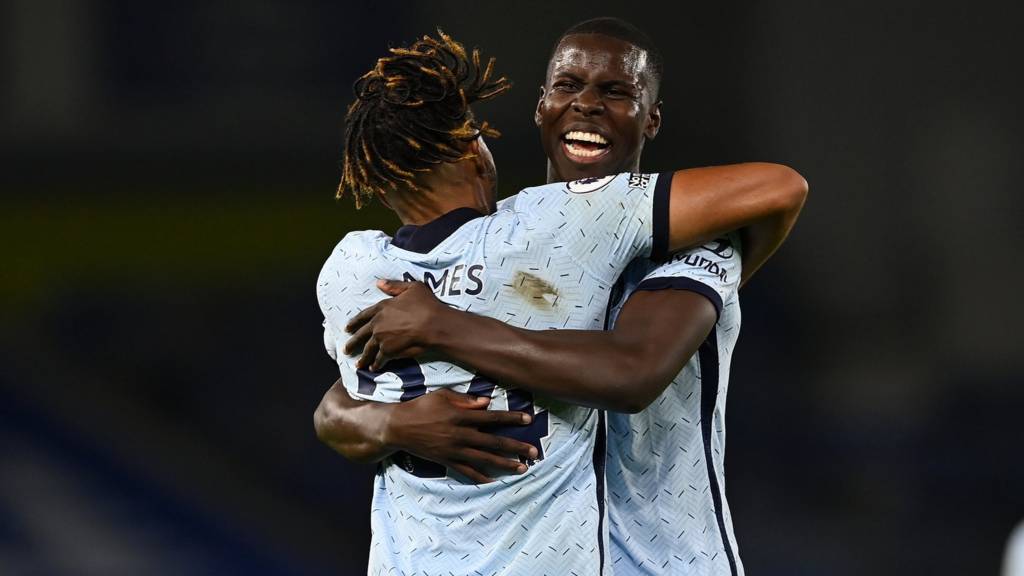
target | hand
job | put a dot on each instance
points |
(443, 427)
(397, 327)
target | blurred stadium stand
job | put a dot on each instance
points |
(167, 204)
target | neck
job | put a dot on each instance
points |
(554, 176)
(419, 207)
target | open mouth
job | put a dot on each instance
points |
(583, 146)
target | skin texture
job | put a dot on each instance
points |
(623, 369)
(469, 183)
(596, 84)
(444, 427)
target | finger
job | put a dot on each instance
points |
(471, 473)
(496, 418)
(500, 444)
(393, 287)
(363, 317)
(478, 458)
(467, 401)
(380, 360)
(369, 352)
(357, 341)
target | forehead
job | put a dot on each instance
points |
(599, 55)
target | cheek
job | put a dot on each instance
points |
(629, 115)
(554, 105)
(624, 108)
(631, 109)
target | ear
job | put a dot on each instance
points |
(540, 104)
(653, 121)
(473, 148)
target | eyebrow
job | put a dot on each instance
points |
(606, 84)
(569, 75)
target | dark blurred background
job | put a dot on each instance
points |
(168, 181)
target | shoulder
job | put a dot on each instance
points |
(359, 243)
(720, 257)
(712, 269)
(363, 240)
(585, 185)
(586, 195)
(356, 247)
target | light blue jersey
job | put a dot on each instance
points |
(665, 474)
(549, 262)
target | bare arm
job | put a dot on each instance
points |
(442, 427)
(623, 369)
(761, 200)
(352, 428)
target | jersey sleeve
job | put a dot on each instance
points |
(333, 292)
(712, 269)
(604, 223)
(330, 341)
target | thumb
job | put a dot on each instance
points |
(393, 287)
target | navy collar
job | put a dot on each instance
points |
(425, 238)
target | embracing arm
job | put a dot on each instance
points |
(442, 426)
(623, 369)
(352, 428)
(760, 200)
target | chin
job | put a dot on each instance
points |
(574, 171)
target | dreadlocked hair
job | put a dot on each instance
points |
(411, 113)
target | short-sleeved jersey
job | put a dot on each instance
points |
(549, 263)
(1013, 558)
(665, 473)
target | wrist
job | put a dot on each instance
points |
(385, 436)
(438, 333)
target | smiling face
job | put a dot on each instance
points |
(597, 107)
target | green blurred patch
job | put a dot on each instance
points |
(169, 243)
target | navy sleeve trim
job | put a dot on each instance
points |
(675, 283)
(662, 192)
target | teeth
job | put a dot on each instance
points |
(586, 137)
(578, 151)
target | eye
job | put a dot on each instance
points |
(618, 93)
(565, 86)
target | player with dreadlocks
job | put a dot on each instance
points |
(547, 261)
(412, 114)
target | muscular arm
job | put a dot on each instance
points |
(623, 369)
(760, 200)
(442, 427)
(352, 428)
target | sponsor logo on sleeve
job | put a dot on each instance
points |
(722, 247)
(587, 185)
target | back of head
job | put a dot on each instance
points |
(412, 113)
(621, 30)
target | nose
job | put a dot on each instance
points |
(588, 102)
